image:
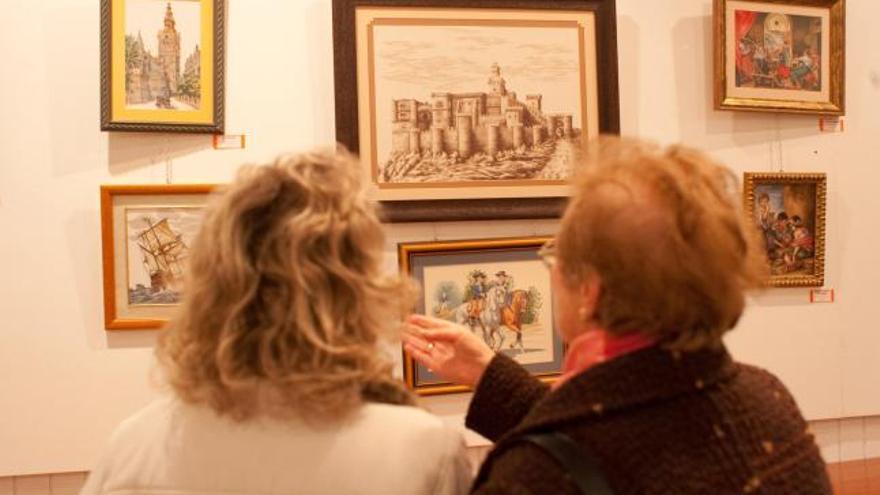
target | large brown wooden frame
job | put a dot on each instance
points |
(405, 250)
(346, 89)
(111, 320)
(752, 179)
(837, 82)
(216, 127)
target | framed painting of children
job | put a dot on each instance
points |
(789, 211)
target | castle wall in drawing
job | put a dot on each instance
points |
(479, 122)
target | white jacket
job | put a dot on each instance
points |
(171, 448)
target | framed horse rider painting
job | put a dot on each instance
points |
(499, 289)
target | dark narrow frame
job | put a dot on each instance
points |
(215, 127)
(346, 90)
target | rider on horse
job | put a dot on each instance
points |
(478, 294)
(504, 282)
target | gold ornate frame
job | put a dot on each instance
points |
(112, 320)
(752, 179)
(836, 104)
(406, 251)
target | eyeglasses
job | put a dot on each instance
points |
(547, 253)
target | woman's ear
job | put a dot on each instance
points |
(590, 290)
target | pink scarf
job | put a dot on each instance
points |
(598, 346)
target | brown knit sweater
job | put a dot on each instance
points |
(658, 422)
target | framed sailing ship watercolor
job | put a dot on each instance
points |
(146, 235)
(465, 110)
(780, 55)
(789, 211)
(499, 288)
(162, 65)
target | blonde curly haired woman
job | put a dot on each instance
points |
(275, 363)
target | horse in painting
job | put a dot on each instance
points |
(512, 315)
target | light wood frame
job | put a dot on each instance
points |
(753, 179)
(217, 77)
(112, 321)
(407, 251)
(836, 104)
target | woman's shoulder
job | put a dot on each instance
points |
(404, 416)
(757, 380)
(153, 416)
(163, 412)
(129, 444)
(396, 425)
(408, 424)
(430, 444)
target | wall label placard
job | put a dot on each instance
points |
(822, 295)
(229, 141)
(831, 124)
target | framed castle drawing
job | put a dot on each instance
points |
(789, 211)
(146, 235)
(162, 65)
(465, 110)
(780, 55)
(498, 288)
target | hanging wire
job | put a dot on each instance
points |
(168, 171)
(169, 168)
(779, 158)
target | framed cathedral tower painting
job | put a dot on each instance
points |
(465, 110)
(162, 65)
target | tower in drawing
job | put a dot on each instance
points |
(169, 50)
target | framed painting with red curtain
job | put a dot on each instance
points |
(780, 55)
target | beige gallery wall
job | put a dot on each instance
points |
(65, 383)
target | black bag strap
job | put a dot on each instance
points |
(577, 462)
